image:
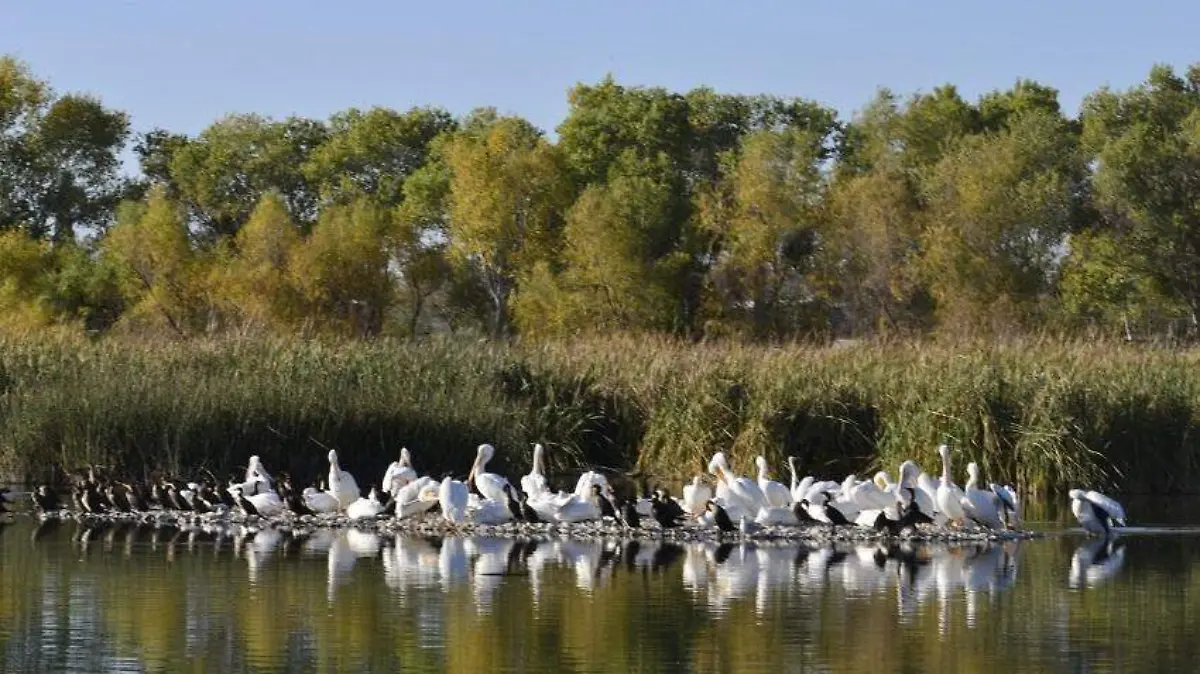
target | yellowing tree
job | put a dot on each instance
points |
(159, 273)
(341, 270)
(507, 193)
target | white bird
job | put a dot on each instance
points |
(491, 512)
(583, 486)
(1095, 562)
(909, 494)
(535, 482)
(490, 485)
(981, 506)
(341, 484)
(799, 487)
(268, 504)
(417, 497)
(1010, 504)
(365, 507)
(571, 508)
(320, 502)
(949, 496)
(453, 496)
(256, 471)
(743, 491)
(1096, 512)
(696, 496)
(775, 493)
(398, 473)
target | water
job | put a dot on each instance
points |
(129, 599)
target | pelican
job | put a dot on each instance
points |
(911, 496)
(799, 488)
(256, 472)
(742, 491)
(696, 496)
(399, 473)
(365, 507)
(453, 496)
(949, 496)
(981, 506)
(1010, 504)
(535, 482)
(490, 485)
(320, 502)
(583, 487)
(341, 484)
(774, 492)
(1096, 512)
(267, 504)
(492, 512)
(417, 497)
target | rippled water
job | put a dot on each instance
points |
(125, 598)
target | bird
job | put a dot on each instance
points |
(799, 488)
(45, 499)
(534, 482)
(949, 496)
(341, 483)
(398, 473)
(1096, 512)
(489, 485)
(630, 516)
(774, 493)
(981, 506)
(696, 496)
(665, 510)
(721, 517)
(367, 507)
(452, 497)
(743, 492)
(319, 501)
(1010, 504)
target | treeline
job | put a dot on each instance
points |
(696, 214)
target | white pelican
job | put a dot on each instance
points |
(365, 507)
(799, 488)
(267, 504)
(535, 482)
(320, 502)
(774, 492)
(453, 496)
(949, 496)
(491, 512)
(742, 491)
(572, 508)
(696, 496)
(1095, 562)
(1096, 512)
(417, 497)
(1010, 504)
(981, 506)
(583, 487)
(256, 471)
(399, 473)
(341, 484)
(490, 485)
(910, 495)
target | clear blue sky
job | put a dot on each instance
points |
(181, 65)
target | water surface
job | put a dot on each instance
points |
(129, 598)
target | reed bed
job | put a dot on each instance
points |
(1041, 414)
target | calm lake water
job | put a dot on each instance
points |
(138, 599)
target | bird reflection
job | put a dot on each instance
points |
(1096, 561)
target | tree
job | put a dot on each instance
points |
(1105, 284)
(507, 194)
(222, 173)
(372, 153)
(59, 164)
(1147, 178)
(253, 278)
(341, 269)
(159, 274)
(766, 216)
(1000, 205)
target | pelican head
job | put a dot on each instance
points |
(717, 464)
(908, 472)
(973, 471)
(944, 451)
(761, 462)
(1076, 494)
(333, 457)
(882, 480)
(405, 458)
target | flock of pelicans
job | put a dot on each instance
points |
(733, 503)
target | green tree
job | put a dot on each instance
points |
(766, 216)
(222, 173)
(1147, 178)
(372, 153)
(59, 164)
(1000, 206)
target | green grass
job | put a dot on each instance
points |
(1045, 415)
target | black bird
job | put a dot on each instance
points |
(720, 517)
(606, 506)
(136, 496)
(528, 514)
(116, 499)
(244, 504)
(666, 511)
(514, 506)
(297, 505)
(92, 500)
(630, 516)
(46, 499)
(800, 510)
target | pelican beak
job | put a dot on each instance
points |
(721, 474)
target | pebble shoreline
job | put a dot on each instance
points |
(434, 525)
